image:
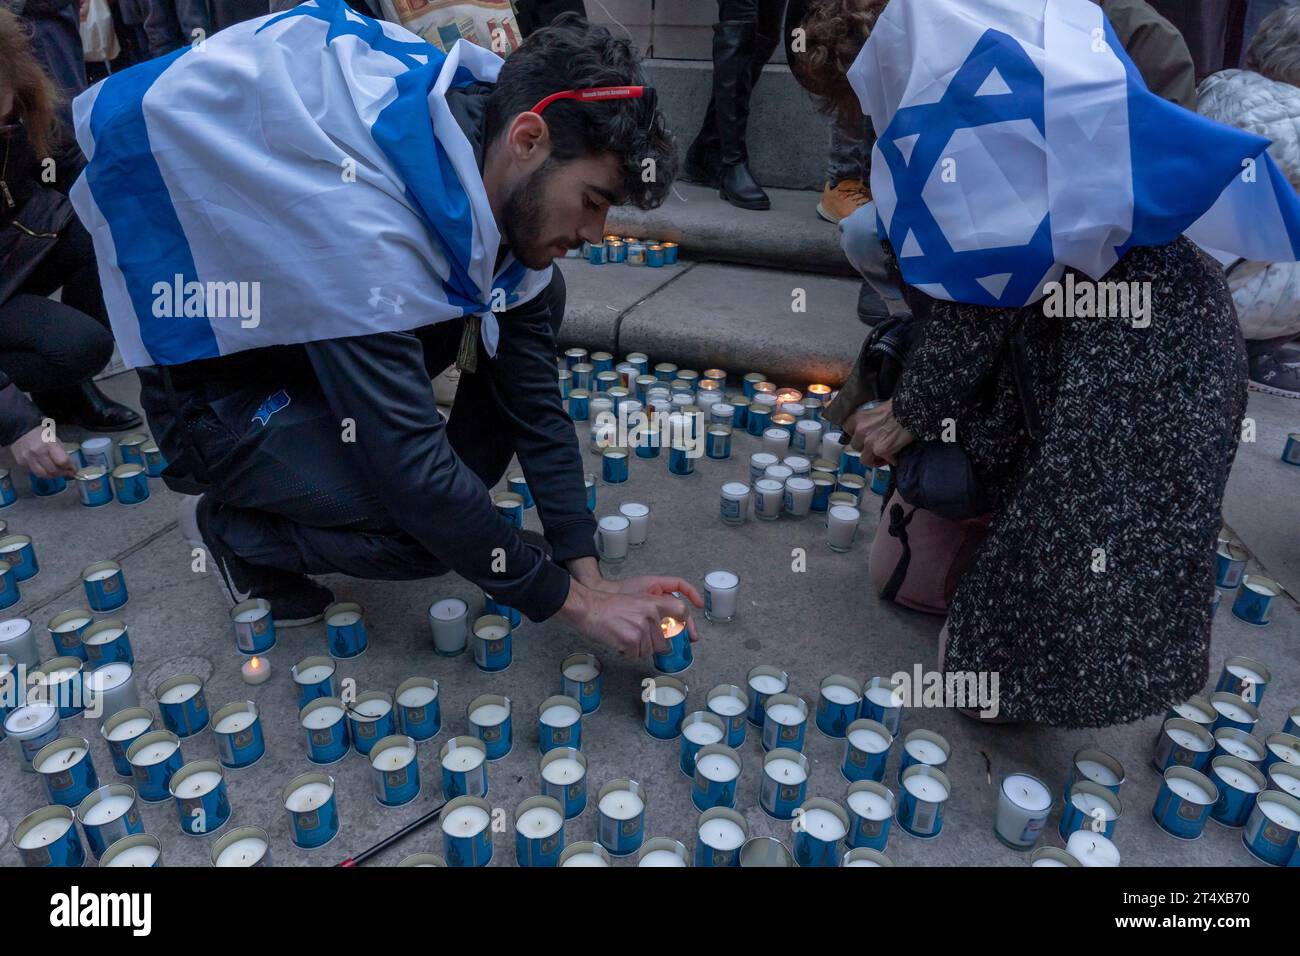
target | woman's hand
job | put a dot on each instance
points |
(44, 459)
(878, 434)
(627, 622)
(657, 585)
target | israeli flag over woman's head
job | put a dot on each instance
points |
(293, 178)
(1016, 138)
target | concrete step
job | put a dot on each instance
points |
(710, 315)
(790, 235)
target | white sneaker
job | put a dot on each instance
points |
(444, 386)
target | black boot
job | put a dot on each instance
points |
(85, 405)
(733, 81)
(702, 159)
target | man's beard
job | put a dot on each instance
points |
(523, 219)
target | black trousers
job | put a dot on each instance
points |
(47, 346)
(535, 14)
(287, 503)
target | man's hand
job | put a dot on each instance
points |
(44, 459)
(627, 622)
(878, 434)
(655, 584)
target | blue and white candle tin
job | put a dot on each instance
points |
(785, 722)
(136, 850)
(559, 723)
(717, 776)
(1090, 806)
(851, 463)
(1183, 743)
(493, 643)
(1096, 766)
(722, 413)
(199, 792)
(489, 717)
(130, 484)
(924, 791)
(237, 732)
(467, 832)
(324, 720)
(819, 827)
(105, 642)
(677, 656)
(580, 679)
(67, 770)
(620, 820)
(1291, 450)
(17, 550)
(614, 465)
(395, 771)
(718, 442)
(574, 356)
(123, 729)
(563, 773)
(880, 479)
(838, 703)
(565, 378)
(1281, 748)
(1244, 677)
(509, 506)
(253, 625)
(419, 713)
(871, 811)
(763, 681)
(1184, 802)
(1254, 599)
(719, 835)
(539, 831)
(1234, 711)
(492, 606)
(464, 768)
(823, 488)
(8, 494)
(1240, 784)
(32, 724)
(764, 851)
(155, 462)
(1292, 723)
(1284, 777)
(105, 586)
(48, 837)
(784, 783)
(93, 486)
(1229, 565)
(589, 482)
(59, 681)
(182, 704)
(923, 747)
(680, 462)
(1231, 742)
(46, 487)
(865, 856)
(866, 750)
(314, 677)
(596, 254)
(517, 483)
(1272, 829)
(370, 719)
(665, 707)
(730, 704)
(345, 629)
(9, 593)
(740, 412)
(882, 701)
(154, 756)
(699, 729)
(242, 847)
(758, 417)
(851, 484)
(313, 811)
(108, 814)
(579, 404)
(602, 362)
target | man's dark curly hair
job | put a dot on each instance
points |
(835, 32)
(573, 54)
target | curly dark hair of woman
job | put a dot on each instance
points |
(834, 33)
(572, 54)
(35, 96)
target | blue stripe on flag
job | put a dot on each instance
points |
(129, 189)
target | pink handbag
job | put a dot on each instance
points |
(917, 557)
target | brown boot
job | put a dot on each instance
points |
(843, 199)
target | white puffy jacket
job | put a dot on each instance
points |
(1267, 294)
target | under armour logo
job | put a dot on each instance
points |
(393, 302)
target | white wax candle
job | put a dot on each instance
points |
(234, 723)
(668, 696)
(62, 759)
(722, 834)
(925, 788)
(840, 694)
(725, 705)
(322, 717)
(787, 715)
(824, 825)
(107, 810)
(155, 752)
(925, 751)
(560, 715)
(784, 770)
(1087, 803)
(1236, 779)
(702, 733)
(251, 614)
(245, 851)
(1189, 790)
(585, 859)
(393, 758)
(129, 729)
(1098, 773)
(75, 624)
(374, 708)
(621, 805)
(719, 768)
(465, 821)
(1092, 849)
(102, 636)
(1233, 712)
(491, 632)
(661, 858)
(1238, 748)
(869, 805)
(102, 574)
(1189, 711)
(178, 694)
(1287, 784)
(562, 770)
(419, 695)
(581, 673)
(887, 697)
(489, 715)
(539, 822)
(1281, 815)
(197, 784)
(1188, 740)
(1244, 673)
(44, 833)
(1047, 861)
(344, 619)
(767, 684)
(861, 862)
(461, 759)
(136, 856)
(868, 740)
(308, 796)
(1287, 752)
(448, 609)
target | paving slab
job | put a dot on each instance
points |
(811, 622)
(599, 296)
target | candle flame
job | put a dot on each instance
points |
(669, 624)
(255, 663)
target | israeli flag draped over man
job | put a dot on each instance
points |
(306, 162)
(1017, 138)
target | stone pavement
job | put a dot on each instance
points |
(812, 624)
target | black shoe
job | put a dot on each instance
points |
(86, 406)
(295, 598)
(738, 187)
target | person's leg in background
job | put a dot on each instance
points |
(46, 345)
(535, 14)
(163, 29)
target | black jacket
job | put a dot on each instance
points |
(380, 381)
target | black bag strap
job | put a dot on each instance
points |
(898, 522)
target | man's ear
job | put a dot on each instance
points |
(528, 139)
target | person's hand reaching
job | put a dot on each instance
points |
(44, 459)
